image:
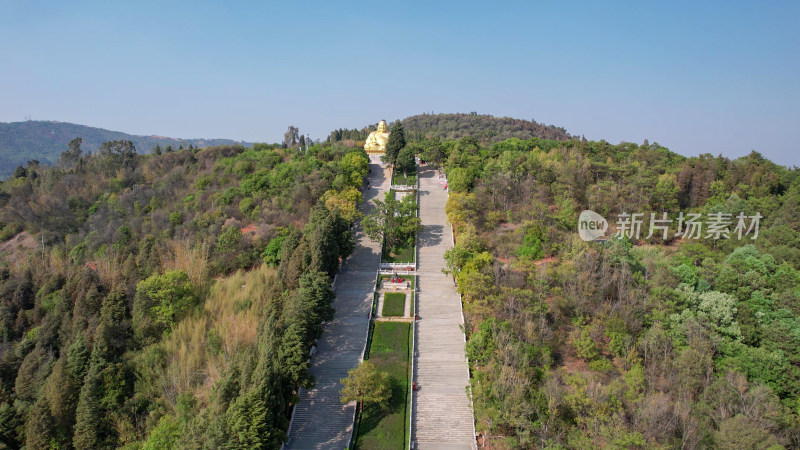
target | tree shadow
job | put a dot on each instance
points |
(374, 414)
(431, 235)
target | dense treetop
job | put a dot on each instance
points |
(634, 342)
(168, 299)
(484, 127)
(43, 141)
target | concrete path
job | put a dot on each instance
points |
(320, 420)
(443, 416)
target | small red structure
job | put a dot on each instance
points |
(249, 229)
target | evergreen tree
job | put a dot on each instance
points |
(435, 152)
(114, 327)
(39, 431)
(405, 160)
(330, 239)
(397, 140)
(10, 424)
(157, 150)
(61, 393)
(88, 415)
(20, 172)
(311, 304)
(290, 266)
(293, 355)
(248, 423)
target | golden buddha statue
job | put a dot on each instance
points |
(376, 142)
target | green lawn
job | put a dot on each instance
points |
(394, 303)
(399, 254)
(409, 179)
(389, 351)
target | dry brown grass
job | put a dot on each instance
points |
(109, 269)
(180, 254)
(231, 309)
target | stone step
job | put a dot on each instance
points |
(443, 417)
(320, 420)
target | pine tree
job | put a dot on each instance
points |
(114, 327)
(88, 415)
(61, 392)
(287, 271)
(10, 422)
(311, 303)
(247, 420)
(292, 354)
(397, 140)
(40, 427)
(20, 172)
(405, 160)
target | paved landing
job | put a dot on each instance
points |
(443, 416)
(320, 420)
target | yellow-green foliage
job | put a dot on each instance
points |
(200, 346)
(180, 254)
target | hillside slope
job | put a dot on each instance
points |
(45, 140)
(484, 127)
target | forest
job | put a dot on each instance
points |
(677, 343)
(484, 127)
(167, 300)
(170, 299)
(44, 140)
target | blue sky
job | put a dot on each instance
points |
(697, 77)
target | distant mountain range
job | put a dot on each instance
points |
(45, 140)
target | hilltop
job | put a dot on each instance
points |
(44, 141)
(484, 127)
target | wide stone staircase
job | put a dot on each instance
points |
(320, 420)
(443, 417)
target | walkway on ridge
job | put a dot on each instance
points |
(443, 417)
(320, 420)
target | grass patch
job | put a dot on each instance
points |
(409, 178)
(394, 304)
(389, 351)
(404, 254)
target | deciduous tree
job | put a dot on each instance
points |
(366, 384)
